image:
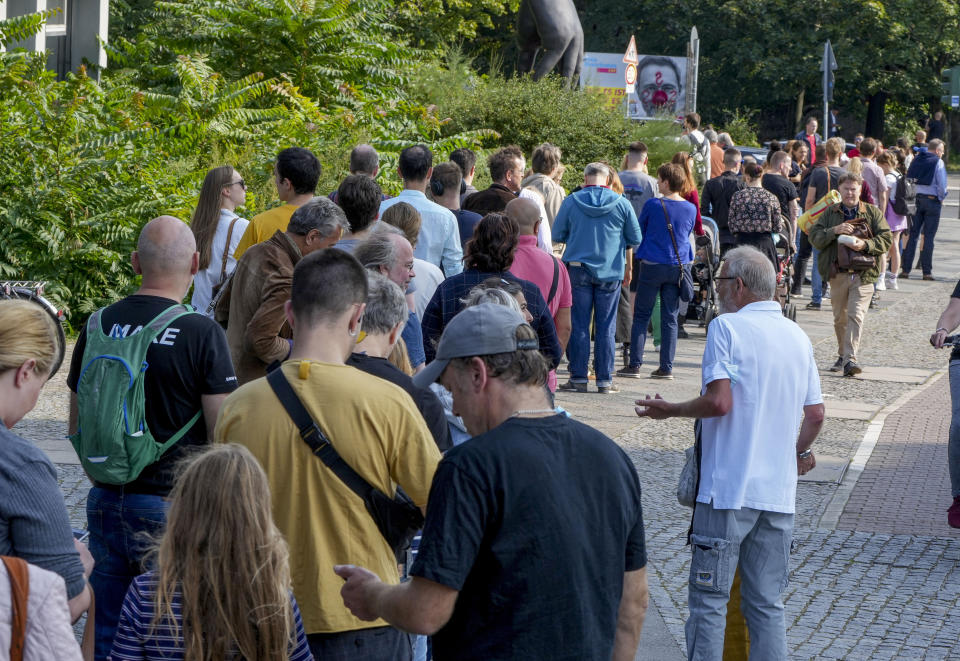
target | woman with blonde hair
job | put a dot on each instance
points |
(34, 524)
(218, 230)
(221, 584)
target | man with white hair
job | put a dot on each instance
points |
(389, 253)
(749, 455)
(597, 225)
(716, 153)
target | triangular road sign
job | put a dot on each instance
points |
(630, 57)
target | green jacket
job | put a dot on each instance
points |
(823, 238)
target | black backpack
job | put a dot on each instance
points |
(905, 201)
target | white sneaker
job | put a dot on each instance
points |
(892, 282)
(881, 284)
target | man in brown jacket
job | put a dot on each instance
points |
(851, 289)
(257, 329)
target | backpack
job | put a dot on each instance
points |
(905, 202)
(112, 438)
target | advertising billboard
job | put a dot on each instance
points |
(659, 88)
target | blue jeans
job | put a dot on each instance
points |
(953, 449)
(816, 282)
(592, 297)
(656, 279)
(925, 221)
(759, 542)
(121, 525)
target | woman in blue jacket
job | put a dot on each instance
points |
(660, 257)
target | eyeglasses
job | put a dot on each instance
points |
(725, 277)
(242, 183)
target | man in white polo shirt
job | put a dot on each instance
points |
(760, 383)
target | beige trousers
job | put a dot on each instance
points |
(850, 301)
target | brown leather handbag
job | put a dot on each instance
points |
(852, 260)
(19, 575)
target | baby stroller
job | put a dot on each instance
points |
(706, 264)
(785, 277)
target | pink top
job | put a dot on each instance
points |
(532, 263)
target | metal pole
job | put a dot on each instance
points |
(826, 92)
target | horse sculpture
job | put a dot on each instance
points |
(554, 27)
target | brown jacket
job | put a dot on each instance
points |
(252, 306)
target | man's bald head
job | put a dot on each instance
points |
(525, 213)
(166, 248)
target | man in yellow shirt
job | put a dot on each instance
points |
(376, 429)
(296, 172)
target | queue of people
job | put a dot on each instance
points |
(350, 348)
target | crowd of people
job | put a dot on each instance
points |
(342, 349)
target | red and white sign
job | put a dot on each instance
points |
(630, 77)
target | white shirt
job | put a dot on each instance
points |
(749, 456)
(439, 241)
(544, 236)
(428, 279)
(204, 280)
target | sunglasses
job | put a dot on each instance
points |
(242, 183)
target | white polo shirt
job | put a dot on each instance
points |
(749, 456)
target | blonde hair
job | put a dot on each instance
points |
(400, 357)
(221, 550)
(613, 181)
(683, 158)
(855, 166)
(406, 218)
(27, 332)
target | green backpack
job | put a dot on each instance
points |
(112, 439)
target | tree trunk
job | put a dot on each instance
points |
(798, 116)
(876, 115)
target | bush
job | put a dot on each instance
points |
(741, 126)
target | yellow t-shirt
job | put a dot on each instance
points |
(376, 428)
(263, 226)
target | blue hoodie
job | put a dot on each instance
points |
(597, 225)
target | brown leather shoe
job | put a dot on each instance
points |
(928, 276)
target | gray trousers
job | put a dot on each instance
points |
(759, 542)
(953, 449)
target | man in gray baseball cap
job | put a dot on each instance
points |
(535, 512)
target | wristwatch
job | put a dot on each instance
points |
(804, 454)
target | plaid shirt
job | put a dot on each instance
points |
(446, 303)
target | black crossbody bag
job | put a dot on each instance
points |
(398, 519)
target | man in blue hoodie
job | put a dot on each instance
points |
(931, 174)
(597, 225)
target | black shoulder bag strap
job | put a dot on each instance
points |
(556, 281)
(673, 239)
(313, 436)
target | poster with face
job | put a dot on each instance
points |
(660, 88)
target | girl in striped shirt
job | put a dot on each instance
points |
(220, 588)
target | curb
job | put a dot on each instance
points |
(834, 509)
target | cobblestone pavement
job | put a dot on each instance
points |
(879, 583)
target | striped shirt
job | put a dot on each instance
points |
(135, 641)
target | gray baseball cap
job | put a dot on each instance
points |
(480, 330)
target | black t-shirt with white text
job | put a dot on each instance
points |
(188, 359)
(783, 189)
(534, 524)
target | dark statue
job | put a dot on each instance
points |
(552, 26)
